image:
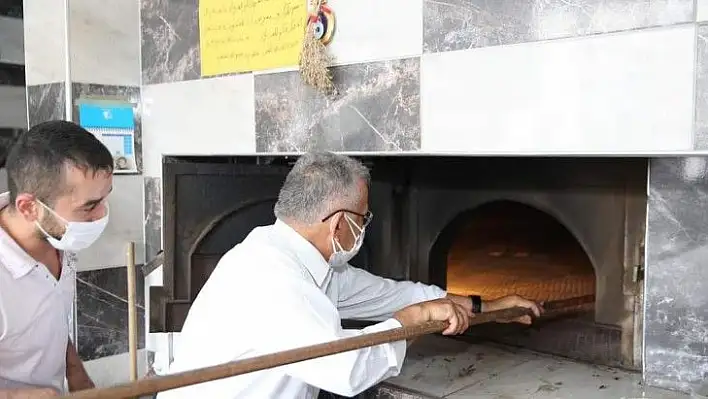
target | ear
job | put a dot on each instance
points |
(26, 205)
(334, 223)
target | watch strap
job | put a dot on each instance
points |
(476, 303)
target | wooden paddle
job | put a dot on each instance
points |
(231, 369)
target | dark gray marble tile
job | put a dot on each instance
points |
(676, 319)
(153, 217)
(7, 138)
(46, 102)
(11, 74)
(377, 109)
(701, 131)
(127, 93)
(461, 24)
(102, 312)
(11, 8)
(170, 40)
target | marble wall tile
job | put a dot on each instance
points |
(11, 8)
(122, 92)
(702, 11)
(701, 130)
(462, 24)
(153, 217)
(13, 107)
(125, 224)
(11, 74)
(377, 38)
(45, 44)
(197, 117)
(376, 109)
(676, 319)
(46, 102)
(603, 94)
(170, 41)
(102, 312)
(105, 42)
(12, 40)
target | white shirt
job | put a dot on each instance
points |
(275, 292)
(35, 310)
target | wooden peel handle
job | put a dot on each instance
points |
(172, 381)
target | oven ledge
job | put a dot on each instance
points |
(443, 367)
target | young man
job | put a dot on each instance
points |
(59, 176)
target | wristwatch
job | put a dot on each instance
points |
(476, 303)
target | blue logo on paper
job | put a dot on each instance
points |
(99, 116)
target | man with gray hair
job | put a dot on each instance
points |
(290, 284)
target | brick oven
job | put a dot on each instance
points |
(546, 228)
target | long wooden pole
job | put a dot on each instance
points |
(132, 312)
(164, 383)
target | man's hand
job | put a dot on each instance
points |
(437, 310)
(510, 302)
(463, 301)
(36, 393)
(76, 374)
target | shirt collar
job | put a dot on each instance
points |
(310, 257)
(13, 257)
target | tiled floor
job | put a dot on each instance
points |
(440, 367)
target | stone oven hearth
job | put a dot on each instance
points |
(546, 228)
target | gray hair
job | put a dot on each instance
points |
(319, 184)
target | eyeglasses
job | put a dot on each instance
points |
(367, 216)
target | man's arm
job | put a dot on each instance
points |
(363, 295)
(75, 372)
(29, 393)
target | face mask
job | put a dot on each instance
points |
(340, 256)
(78, 235)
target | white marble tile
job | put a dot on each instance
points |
(45, 46)
(372, 30)
(439, 366)
(12, 39)
(199, 117)
(13, 106)
(542, 377)
(105, 42)
(625, 92)
(113, 370)
(702, 10)
(125, 224)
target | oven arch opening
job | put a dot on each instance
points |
(507, 247)
(504, 247)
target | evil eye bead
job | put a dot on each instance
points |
(318, 29)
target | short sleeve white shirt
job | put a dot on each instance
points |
(35, 311)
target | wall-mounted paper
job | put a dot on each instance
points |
(250, 35)
(114, 125)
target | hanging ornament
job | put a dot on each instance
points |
(324, 24)
(314, 59)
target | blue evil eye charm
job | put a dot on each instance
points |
(324, 25)
(318, 29)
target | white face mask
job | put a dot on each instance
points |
(340, 256)
(78, 235)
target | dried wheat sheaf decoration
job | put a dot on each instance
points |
(314, 59)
